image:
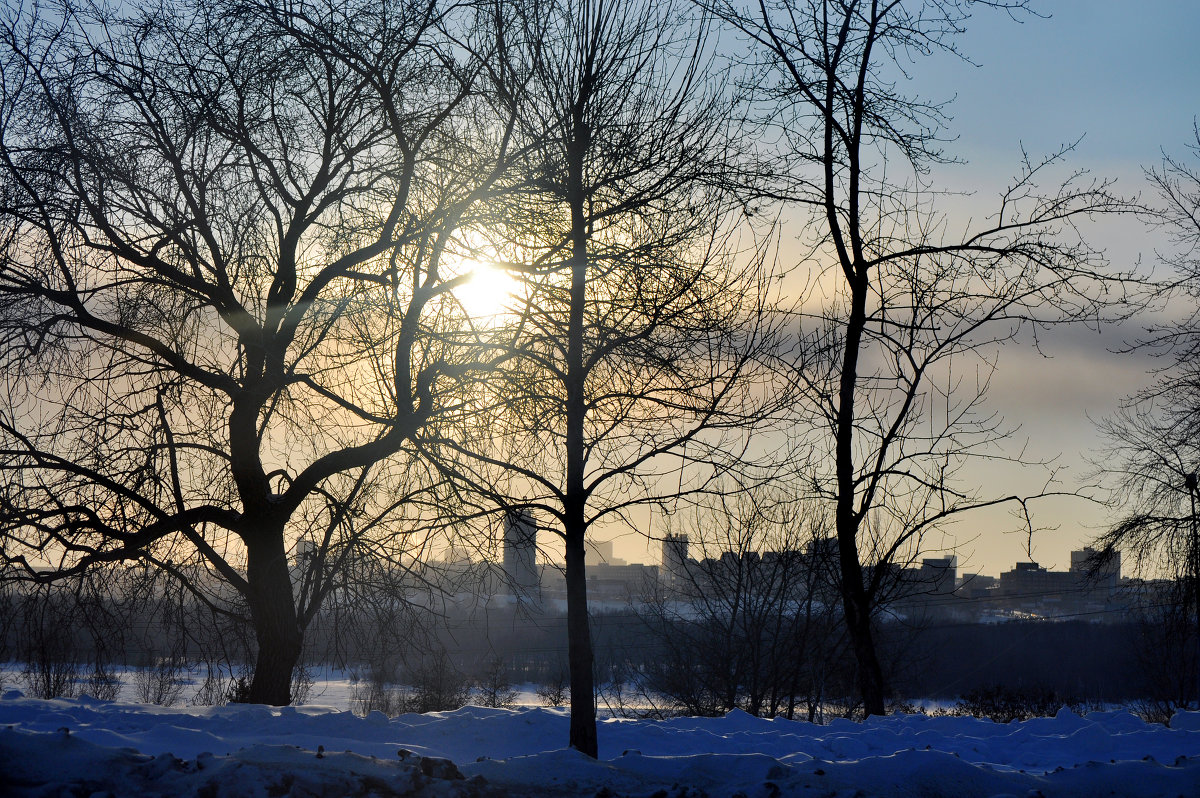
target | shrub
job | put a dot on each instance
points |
(51, 676)
(555, 691)
(160, 682)
(214, 689)
(302, 684)
(1156, 711)
(436, 686)
(372, 696)
(102, 683)
(494, 687)
(1004, 704)
(49, 650)
(237, 690)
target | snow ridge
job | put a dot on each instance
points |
(90, 748)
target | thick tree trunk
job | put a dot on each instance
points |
(862, 638)
(579, 652)
(276, 627)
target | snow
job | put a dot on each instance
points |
(93, 748)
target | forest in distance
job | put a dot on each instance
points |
(298, 297)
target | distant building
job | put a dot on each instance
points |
(601, 554)
(1028, 580)
(939, 574)
(303, 552)
(977, 586)
(823, 555)
(520, 553)
(623, 583)
(674, 559)
(1104, 569)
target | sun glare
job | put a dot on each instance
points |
(488, 293)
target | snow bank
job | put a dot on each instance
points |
(86, 747)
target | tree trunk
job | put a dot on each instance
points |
(276, 627)
(856, 600)
(579, 637)
(870, 673)
(579, 652)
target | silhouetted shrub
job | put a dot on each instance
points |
(435, 685)
(554, 691)
(494, 687)
(238, 689)
(302, 684)
(102, 683)
(372, 696)
(1005, 704)
(213, 689)
(161, 681)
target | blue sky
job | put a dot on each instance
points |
(1123, 73)
(1125, 76)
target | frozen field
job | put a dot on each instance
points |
(89, 748)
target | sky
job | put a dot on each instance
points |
(1125, 77)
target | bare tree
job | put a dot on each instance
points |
(641, 326)
(904, 315)
(1153, 442)
(750, 621)
(49, 643)
(224, 310)
(493, 687)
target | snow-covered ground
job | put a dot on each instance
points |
(85, 747)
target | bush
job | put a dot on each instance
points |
(1156, 711)
(1005, 704)
(900, 706)
(555, 691)
(49, 650)
(302, 684)
(436, 686)
(218, 687)
(372, 696)
(51, 676)
(237, 689)
(160, 682)
(102, 683)
(494, 688)
(213, 689)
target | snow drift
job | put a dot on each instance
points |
(85, 747)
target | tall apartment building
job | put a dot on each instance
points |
(674, 559)
(520, 553)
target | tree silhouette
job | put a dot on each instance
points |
(643, 330)
(750, 621)
(904, 315)
(224, 306)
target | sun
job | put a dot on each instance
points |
(488, 292)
